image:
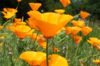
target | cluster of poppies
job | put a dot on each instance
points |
(49, 24)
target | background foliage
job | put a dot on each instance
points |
(91, 6)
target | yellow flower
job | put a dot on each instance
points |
(35, 6)
(33, 58)
(19, 0)
(56, 49)
(1, 37)
(55, 60)
(17, 19)
(94, 41)
(78, 23)
(20, 23)
(75, 30)
(42, 43)
(68, 30)
(9, 12)
(1, 27)
(22, 31)
(86, 30)
(97, 61)
(49, 23)
(84, 14)
(65, 2)
(76, 38)
(60, 11)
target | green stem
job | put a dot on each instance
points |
(35, 41)
(17, 5)
(76, 15)
(6, 22)
(47, 52)
(62, 39)
(91, 56)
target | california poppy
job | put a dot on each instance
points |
(22, 31)
(34, 36)
(84, 14)
(98, 47)
(76, 38)
(1, 37)
(55, 60)
(42, 42)
(94, 41)
(75, 30)
(68, 30)
(56, 49)
(35, 6)
(65, 2)
(49, 23)
(78, 23)
(60, 11)
(9, 12)
(1, 27)
(11, 28)
(19, 0)
(31, 23)
(33, 58)
(86, 30)
(17, 19)
(97, 61)
(20, 23)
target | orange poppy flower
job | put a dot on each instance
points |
(19, 0)
(1, 37)
(42, 43)
(84, 14)
(11, 28)
(65, 2)
(60, 11)
(78, 23)
(22, 31)
(31, 23)
(20, 23)
(55, 60)
(12, 10)
(86, 30)
(33, 58)
(56, 49)
(1, 27)
(49, 23)
(35, 6)
(96, 61)
(31, 32)
(34, 36)
(76, 38)
(17, 19)
(94, 41)
(68, 30)
(98, 47)
(8, 14)
(63, 28)
(75, 30)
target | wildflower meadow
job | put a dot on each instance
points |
(48, 38)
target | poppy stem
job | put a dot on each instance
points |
(47, 52)
(34, 48)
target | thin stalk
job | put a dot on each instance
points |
(17, 5)
(47, 52)
(6, 22)
(91, 56)
(34, 42)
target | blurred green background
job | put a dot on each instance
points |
(91, 6)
